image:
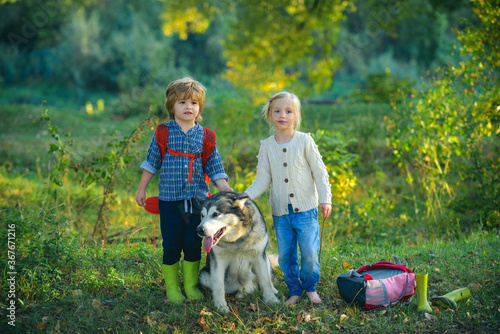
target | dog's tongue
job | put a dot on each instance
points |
(208, 242)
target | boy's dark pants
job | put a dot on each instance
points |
(178, 230)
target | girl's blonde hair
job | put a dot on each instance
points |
(184, 88)
(266, 111)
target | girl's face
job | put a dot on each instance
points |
(282, 115)
(186, 110)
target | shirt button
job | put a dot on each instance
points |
(286, 180)
(296, 210)
(284, 150)
(285, 164)
(185, 166)
(185, 180)
(291, 195)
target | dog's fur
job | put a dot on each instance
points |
(238, 259)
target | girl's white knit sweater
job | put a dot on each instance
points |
(295, 172)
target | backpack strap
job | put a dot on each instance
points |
(384, 265)
(208, 148)
(208, 145)
(162, 138)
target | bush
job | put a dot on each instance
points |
(446, 139)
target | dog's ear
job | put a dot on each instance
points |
(240, 203)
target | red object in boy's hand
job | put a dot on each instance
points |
(152, 205)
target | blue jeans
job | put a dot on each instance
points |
(298, 229)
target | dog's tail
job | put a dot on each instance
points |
(273, 258)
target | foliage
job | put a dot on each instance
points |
(382, 87)
(85, 44)
(297, 44)
(447, 140)
(291, 46)
(97, 168)
(339, 162)
(119, 288)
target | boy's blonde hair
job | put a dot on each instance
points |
(184, 88)
(266, 111)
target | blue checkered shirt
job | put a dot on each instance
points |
(174, 171)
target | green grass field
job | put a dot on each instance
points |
(69, 284)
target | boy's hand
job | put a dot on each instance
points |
(228, 188)
(223, 186)
(326, 210)
(141, 198)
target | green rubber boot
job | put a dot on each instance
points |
(423, 304)
(190, 272)
(171, 276)
(449, 300)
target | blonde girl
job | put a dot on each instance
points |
(290, 164)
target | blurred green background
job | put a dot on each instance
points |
(402, 98)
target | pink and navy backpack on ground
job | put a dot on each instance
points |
(377, 285)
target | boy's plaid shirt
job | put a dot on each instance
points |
(174, 171)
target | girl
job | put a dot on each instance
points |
(181, 179)
(290, 163)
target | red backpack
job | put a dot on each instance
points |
(208, 148)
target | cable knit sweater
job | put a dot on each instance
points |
(295, 172)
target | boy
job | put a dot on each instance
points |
(181, 179)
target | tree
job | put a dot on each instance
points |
(268, 45)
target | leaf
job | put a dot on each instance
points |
(132, 312)
(203, 323)
(150, 321)
(96, 304)
(163, 327)
(231, 327)
(347, 265)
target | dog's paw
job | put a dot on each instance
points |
(223, 309)
(222, 306)
(271, 299)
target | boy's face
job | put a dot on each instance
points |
(186, 109)
(282, 114)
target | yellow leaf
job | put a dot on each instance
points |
(96, 303)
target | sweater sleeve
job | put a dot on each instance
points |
(263, 177)
(318, 170)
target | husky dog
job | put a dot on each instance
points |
(236, 238)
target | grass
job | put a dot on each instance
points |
(67, 282)
(72, 285)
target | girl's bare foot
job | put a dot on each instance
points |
(291, 300)
(314, 297)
